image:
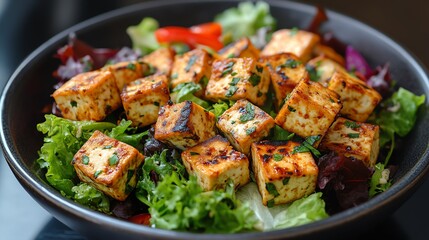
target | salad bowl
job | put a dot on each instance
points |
(28, 91)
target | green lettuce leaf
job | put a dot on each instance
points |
(399, 112)
(219, 108)
(181, 204)
(302, 211)
(186, 92)
(91, 197)
(127, 134)
(244, 20)
(279, 134)
(63, 138)
(143, 35)
(379, 180)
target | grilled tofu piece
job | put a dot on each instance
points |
(193, 66)
(108, 165)
(359, 100)
(298, 42)
(286, 71)
(238, 78)
(143, 98)
(353, 139)
(283, 177)
(240, 49)
(161, 60)
(328, 52)
(126, 72)
(214, 162)
(88, 96)
(321, 69)
(184, 125)
(309, 110)
(245, 123)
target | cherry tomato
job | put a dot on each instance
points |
(143, 218)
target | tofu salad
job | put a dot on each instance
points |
(223, 127)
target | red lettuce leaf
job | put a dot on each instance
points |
(355, 62)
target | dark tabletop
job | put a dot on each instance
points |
(25, 24)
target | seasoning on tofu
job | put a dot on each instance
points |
(359, 100)
(238, 78)
(143, 98)
(353, 139)
(126, 72)
(309, 110)
(88, 96)
(282, 177)
(245, 123)
(184, 124)
(108, 165)
(214, 162)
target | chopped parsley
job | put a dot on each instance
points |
(234, 81)
(174, 76)
(291, 63)
(313, 73)
(353, 135)
(228, 68)
(294, 31)
(254, 79)
(85, 159)
(73, 103)
(271, 189)
(204, 81)
(191, 62)
(291, 108)
(97, 173)
(277, 157)
(156, 104)
(270, 203)
(250, 130)
(285, 181)
(131, 66)
(231, 55)
(194, 153)
(113, 160)
(107, 147)
(249, 113)
(351, 124)
(231, 91)
(307, 146)
(259, 69)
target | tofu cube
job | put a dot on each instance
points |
(240, 49)
(214, 162)
(353, 139)
(328, 52)
(88, 96)
(245, 123)
(309, 110)
(126, 72)
(193, 66)
(321, 69)
(108, 165)
(238, 78)
(298, 42)
(161, 60)
(283, 177)
(286, 71)
(143, 98)
(184, 125)
(359, 100)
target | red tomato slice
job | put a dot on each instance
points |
(143, 218)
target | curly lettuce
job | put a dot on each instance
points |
(143, 35)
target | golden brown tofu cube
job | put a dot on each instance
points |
(283, 176)
(298, 42)
(321, 69)
(108, 165)
(161, 60)
(353, 139)
(245, 123)
(184, 125)
(328, 52)
(143, 98)
(238, 78)
(193, 66)
(126, 72)
(286, 71)
(359, 100)
(214, 162)
(309, 110)
(240, 49)
(88, 96)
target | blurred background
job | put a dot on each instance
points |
(26, 24)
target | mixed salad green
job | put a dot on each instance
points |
(172, 199)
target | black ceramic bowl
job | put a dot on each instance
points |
(30, 87)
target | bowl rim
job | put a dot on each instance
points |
(28, 179)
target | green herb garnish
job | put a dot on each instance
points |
(250, 130)
(271, 188)
(228, 68)
(73, 103)
(307, 146)
(254, 79)
(131, 66)
(85, 159)
(191, 62)
(113, 160)
(353, 135)
(351, 124)
(249, 113)
(277, 157)
(97, 173)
